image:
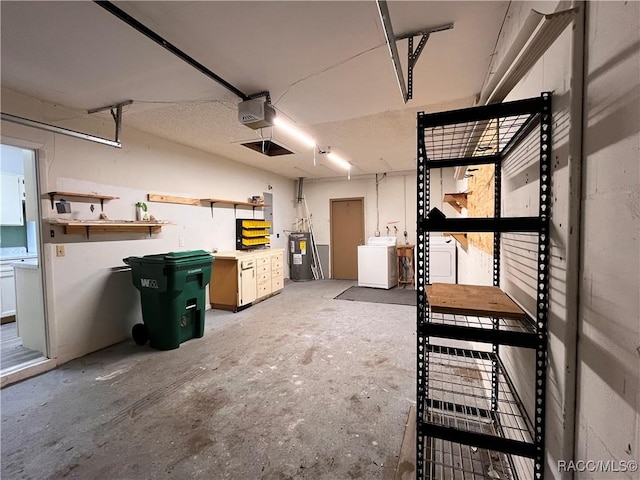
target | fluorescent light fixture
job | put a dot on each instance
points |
(339, 161)
(294, 132)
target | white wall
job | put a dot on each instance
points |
(608, 425)
(605, 275)
(396, 202)
(89, 306)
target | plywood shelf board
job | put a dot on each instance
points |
(105, 223)
(83, 227)
(478, 300)
(152, 197)
(82, 230)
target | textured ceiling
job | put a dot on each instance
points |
(324, 63)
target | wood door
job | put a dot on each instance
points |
(347, 232)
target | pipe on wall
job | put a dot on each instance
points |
(574, 246)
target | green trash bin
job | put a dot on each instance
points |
(172, 293)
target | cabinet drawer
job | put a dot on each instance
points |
(264, 260)
(276, 262)
(277, 273)
(264, 289)
(263, 269)
(276, 284)
(263, 277)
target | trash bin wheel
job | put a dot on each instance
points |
(140, 333)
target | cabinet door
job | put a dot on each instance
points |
(11, 213)
(248, 286)
(7, 292)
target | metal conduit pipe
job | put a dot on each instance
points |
(574, 243)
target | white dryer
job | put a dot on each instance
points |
(443, 260)
(378, 263)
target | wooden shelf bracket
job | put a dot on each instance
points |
(456, 200)
(461, 238)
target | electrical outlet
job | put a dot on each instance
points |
(60, 250)
(181, 242)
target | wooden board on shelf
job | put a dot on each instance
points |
(152, 197)
(483, 301)
(80, 227)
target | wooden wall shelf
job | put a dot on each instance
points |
(97, 196)
(231, 202)
(213, 201)
(153, 197)
(85, 227)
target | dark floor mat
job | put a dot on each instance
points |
(398, 296)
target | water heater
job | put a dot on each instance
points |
(300, 256)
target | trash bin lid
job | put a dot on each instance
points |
(172, 258)
(189, 255)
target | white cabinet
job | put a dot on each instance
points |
(240, 278)
(12, 196)
(270, 272)
(7, 291)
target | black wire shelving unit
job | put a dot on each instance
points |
(471, 423)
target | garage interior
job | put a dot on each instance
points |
(460, 303)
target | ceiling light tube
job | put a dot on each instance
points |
(339, 161)
(294, 132)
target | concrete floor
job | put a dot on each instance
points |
(298, 386)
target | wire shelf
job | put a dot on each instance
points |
(468, 321)
(514, 332)
(472, 139)
(460, 391)
(445, 460)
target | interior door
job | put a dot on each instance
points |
(347, 232)
(25, 336)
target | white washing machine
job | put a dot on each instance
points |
(443, 260)
(378, 263)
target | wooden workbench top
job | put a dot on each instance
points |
(236, 254)
(477, 300)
